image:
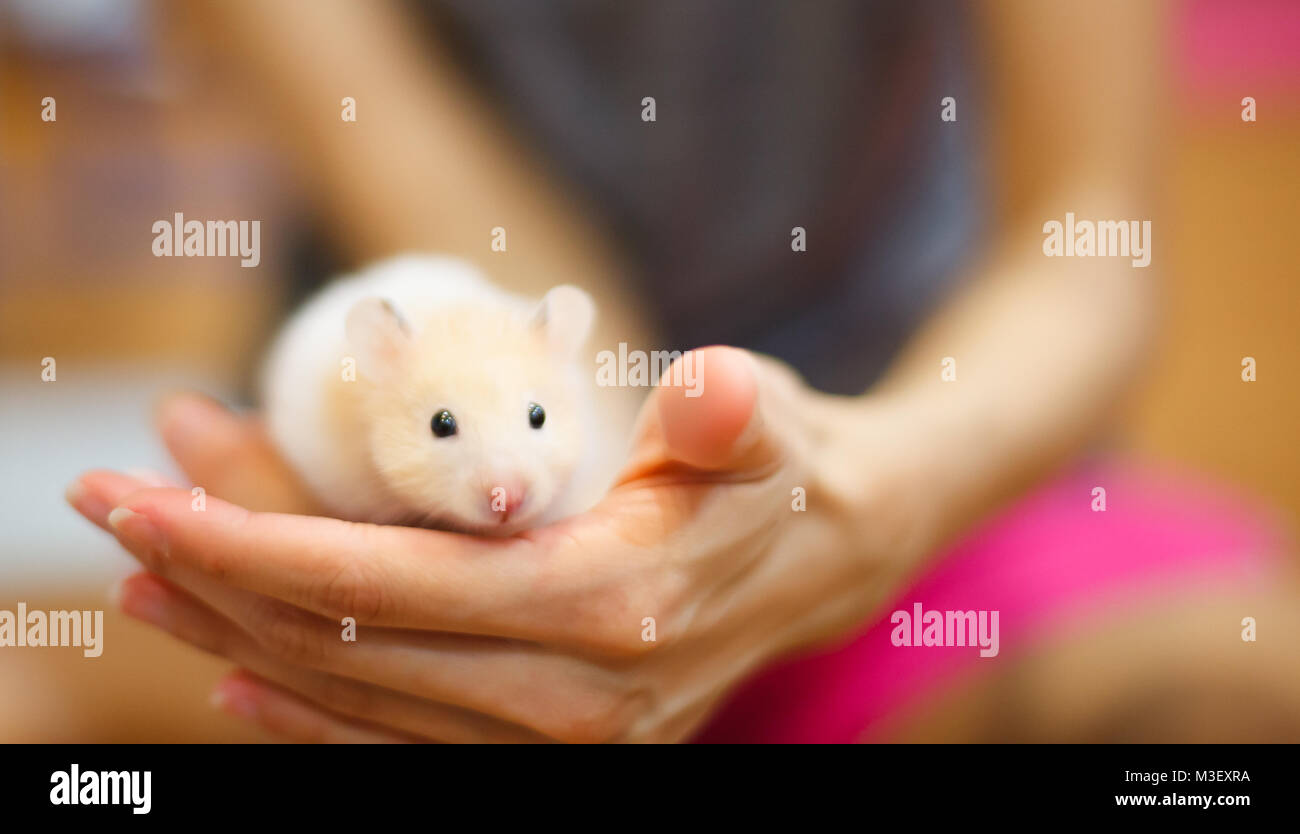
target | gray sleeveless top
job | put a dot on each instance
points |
(770, 115)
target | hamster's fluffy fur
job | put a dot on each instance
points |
(426, 334)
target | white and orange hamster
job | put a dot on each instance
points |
(416, 392)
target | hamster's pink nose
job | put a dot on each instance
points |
(505, 498)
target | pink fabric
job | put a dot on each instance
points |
(1230, 49)
(1048, 559)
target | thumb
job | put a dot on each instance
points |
(228, 455)
(707, 413)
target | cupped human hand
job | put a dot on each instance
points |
(744, 526)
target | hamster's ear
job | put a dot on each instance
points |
(565, 316)
(377, 334)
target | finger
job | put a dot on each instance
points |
(243, 695)
(395, 576)
(716, 423)
(546, 587)
(229, 455)
(557, 694)
(94, 494)
(377, 575)
(155, 601)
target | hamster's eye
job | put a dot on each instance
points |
(536, 415)
(444, 425)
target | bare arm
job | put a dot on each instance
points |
(426, 165)
(1043, 346)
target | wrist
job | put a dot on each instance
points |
(884, 480)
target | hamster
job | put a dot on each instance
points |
(416, 392)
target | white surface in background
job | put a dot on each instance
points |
(50, 432)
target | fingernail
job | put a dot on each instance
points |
(144, 606)
(139, 534)
(84, 502)
(232, 703)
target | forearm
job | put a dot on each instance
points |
(1040, 350)
(426, 165)
(1041, 347)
